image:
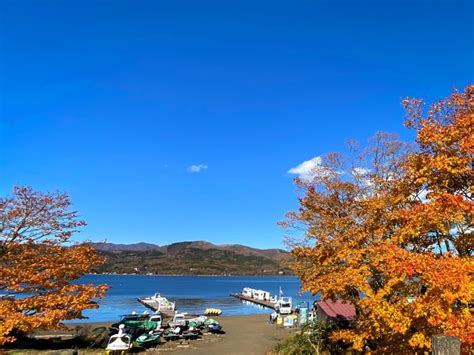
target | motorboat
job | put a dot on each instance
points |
(284, 305)
(161, 304)
(248, 292)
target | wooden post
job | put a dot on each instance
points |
(445, 345)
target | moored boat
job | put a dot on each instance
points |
(159, 304)
(284, 305)
(163, 303)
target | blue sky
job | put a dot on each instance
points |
(115, 101)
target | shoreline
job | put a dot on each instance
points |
(101, 323)
(244, 334)
(196, 275)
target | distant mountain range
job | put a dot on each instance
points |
(125, 247)
(191, 258)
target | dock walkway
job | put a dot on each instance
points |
(266, 304)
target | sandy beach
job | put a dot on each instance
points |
(244, 335)
(249, 334)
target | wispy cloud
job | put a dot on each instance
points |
(196, 168)
(358, 171)
(308, 169)
(363, 175)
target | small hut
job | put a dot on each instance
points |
(337, 311)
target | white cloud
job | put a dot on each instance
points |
(363, 176)
(360, 171)
(196, 168)
(308, 169)
(423, 195)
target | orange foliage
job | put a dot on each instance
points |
(35, 266)
(390, 230)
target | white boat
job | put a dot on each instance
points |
(120, 341)
(260, 295)
(248, 292)
(179, 320)
(284, 305)
(159, 303)
(158, 319)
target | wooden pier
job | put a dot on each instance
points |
(262, 303)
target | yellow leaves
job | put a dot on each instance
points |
(419, 340)
(358, 343)
(35, 265)
(399, 246)
(58, 299)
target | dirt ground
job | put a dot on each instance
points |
(244, 335)
(251, 334)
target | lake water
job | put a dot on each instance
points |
(192, 294)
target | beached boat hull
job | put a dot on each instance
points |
(214, 328)
(147, 340)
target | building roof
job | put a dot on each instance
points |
(337, 309)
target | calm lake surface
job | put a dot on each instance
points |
(192, 294)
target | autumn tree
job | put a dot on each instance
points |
(38, 263)
(389, 229)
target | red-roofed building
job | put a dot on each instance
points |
(334, 310)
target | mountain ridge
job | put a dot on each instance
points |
(190, 258)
